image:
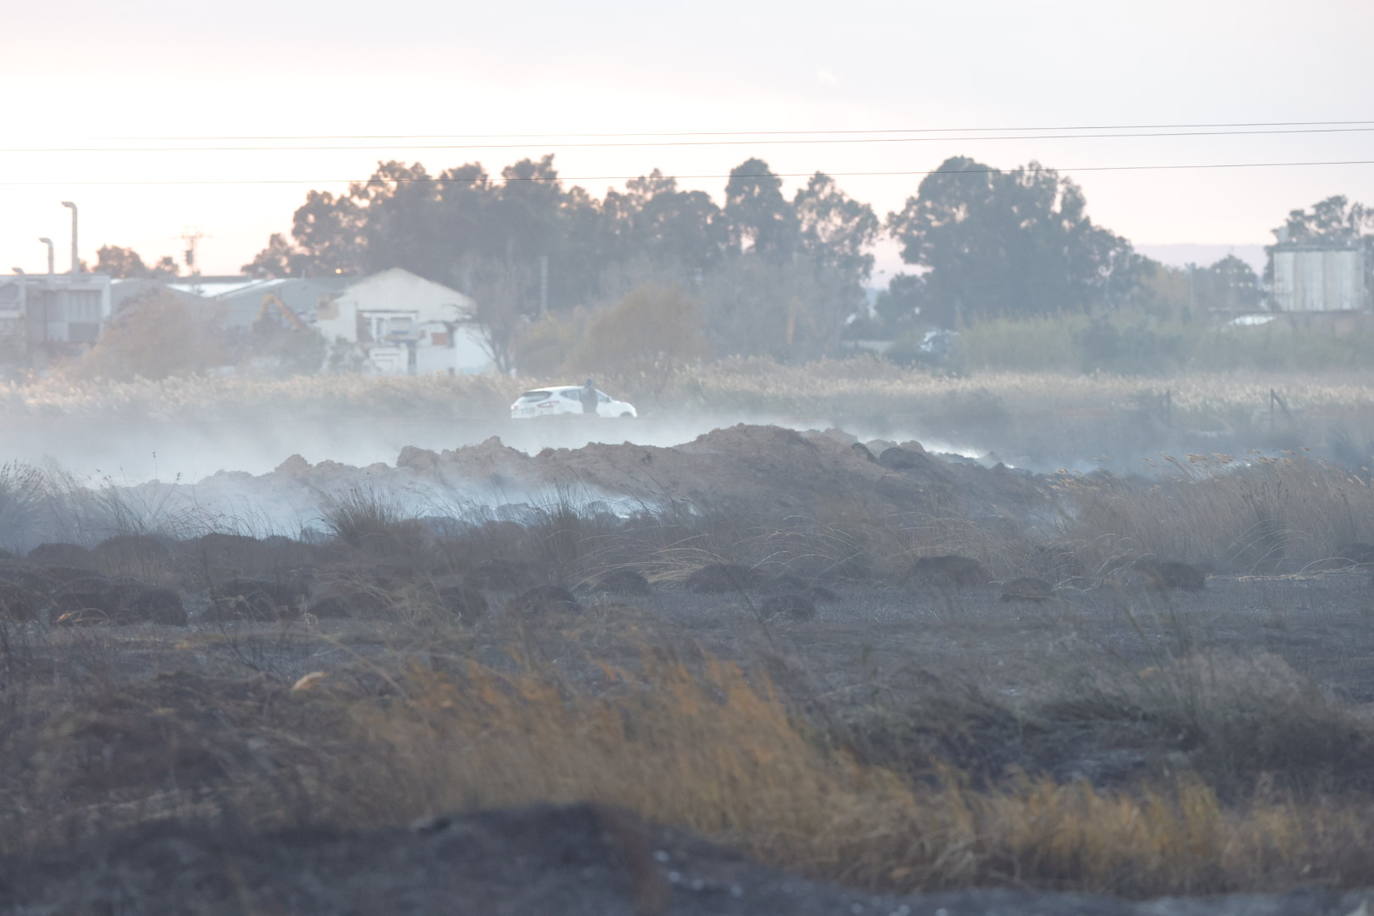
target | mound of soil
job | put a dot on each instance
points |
(788, 583)
(255, 599)
(96, 600)
(463, 601)
(132, 554)
(795, 606)
(335, 605)
(544, 601)
(214, 557)
(68, 595)
(499, 575)
(755, 470)
(898, 458)
(1057, 563)
(1027, 588)
(948, 571)
(716, 578)
(623, 582)
(61, 554)
(1165, 574)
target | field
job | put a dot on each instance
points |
(761, 671)
(1039, 421)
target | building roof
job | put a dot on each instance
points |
(128, 289)
(242, 297)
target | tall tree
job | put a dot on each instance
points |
(1335, 219)
(758, 218)
(279, 259)
(119, 262)
(327, 234)
(1018, 242)
(125, 263)
(678, 232)
(1229, 284)
(835, 229)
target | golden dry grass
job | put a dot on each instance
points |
(758, 384)
(715, 751)
(1260, 514)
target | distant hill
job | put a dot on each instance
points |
(1181, 254)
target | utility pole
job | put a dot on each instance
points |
(191, 237)
(76, 261)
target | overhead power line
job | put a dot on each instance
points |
(907, 173)
(749, 133)
(679, 143)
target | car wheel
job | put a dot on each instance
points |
(627, 416)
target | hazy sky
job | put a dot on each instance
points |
(84, 74)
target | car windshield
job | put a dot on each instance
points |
(535, 395)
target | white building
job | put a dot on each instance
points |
(46, 314)
(1319, 278)
(404, 324)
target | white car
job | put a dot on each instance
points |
(560, 400)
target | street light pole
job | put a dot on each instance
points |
(48, 242)
(76, 261)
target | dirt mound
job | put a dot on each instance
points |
(797, 585)
(948, 571)
(132, 555)
(255, 599)
(1027, 588)
(765, 472)
(211, 558)
(1057, 562)
(754, 469)
(1165, 574)
(61, 554)
(69, 595)
(368, 594)
(500, 575)
(623, 582)
(899, 458)
(544, 601)
(716, 578)
(788, 604)
(460, 600)
(97, 600)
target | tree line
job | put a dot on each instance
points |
(771, 274)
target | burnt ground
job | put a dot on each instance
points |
(127, 747)
(1033, 683)
(579, 860)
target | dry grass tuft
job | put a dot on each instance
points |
(716, 751)
(1265, 515)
